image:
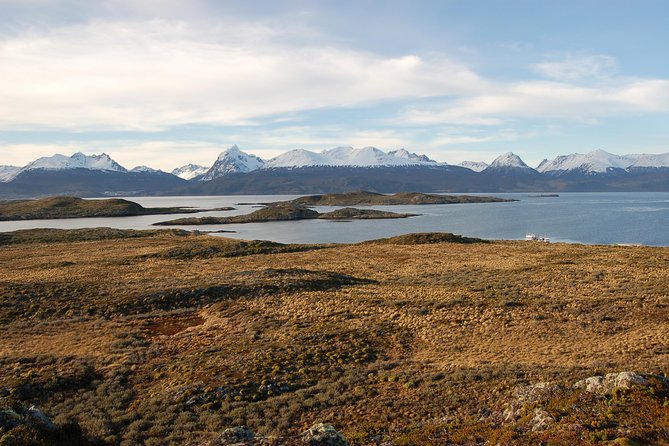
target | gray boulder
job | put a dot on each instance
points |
(542, 420)
(324, 435)
(238, 435)
(605, 385)
(41, 418)
(524, 395)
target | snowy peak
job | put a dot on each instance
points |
(144, 169)
(233, 160)
(476, 166)
(76, 161)
(403, 153)
(297, 158)
(599, 161)
(349, 157)
(190, 171)
(365, 157)
(508, 160)
(7, 173)
(646, 161)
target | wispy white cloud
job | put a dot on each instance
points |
(542, 100)
(156, 74)
(578, 68)
(445, 139)
(119, 68)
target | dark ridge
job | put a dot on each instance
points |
(424, 238)
(361, 214)
(46, 300)
(274, 212)
(46, 235)
(212, 248)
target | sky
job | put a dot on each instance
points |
(168, 82)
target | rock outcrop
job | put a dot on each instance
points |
(324, 435)
(605, 385)
(236, 436)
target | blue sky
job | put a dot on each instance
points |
(167, 82)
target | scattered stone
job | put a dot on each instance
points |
(542, 420)
(592, 384)
(605, 385)
(236, 436)
(527, 394)
(535, 392)
(324, 435)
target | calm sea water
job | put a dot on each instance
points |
(592, 218)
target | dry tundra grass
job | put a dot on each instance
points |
(170, 338)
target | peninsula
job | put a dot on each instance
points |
(73, 207)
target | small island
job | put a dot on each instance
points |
(365, 198)
(361, 214)
(286, 211)
(299, 208)
(73, 207)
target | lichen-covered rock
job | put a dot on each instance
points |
(605, 385)
(542, 420)
(238, 435)
(535, 392)
(527, 394)
(324, 435)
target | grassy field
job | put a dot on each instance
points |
(168, 338)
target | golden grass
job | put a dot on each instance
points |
(386, 339)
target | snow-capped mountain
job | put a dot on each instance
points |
(84, 175)
(146, 169)
(190, 171)
(233, 160)
(291, 172)
(7, 173)
(647, 161)
(508, 161)
(347, 156)
(476, 166)
(76, 161)
(597, 161)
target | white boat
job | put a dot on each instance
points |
(532, 237)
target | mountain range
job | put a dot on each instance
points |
(335, 170)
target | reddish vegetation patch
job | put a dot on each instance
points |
(170, 326)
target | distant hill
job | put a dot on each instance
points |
(88, 183)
